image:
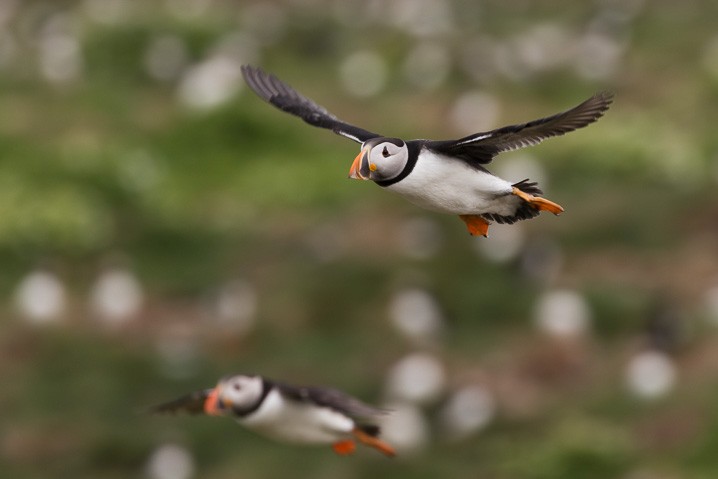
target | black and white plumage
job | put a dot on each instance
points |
(446, 176)
(296, 414)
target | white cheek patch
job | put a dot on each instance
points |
(390, 166)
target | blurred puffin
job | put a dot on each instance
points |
(296, 414)
(446, 176)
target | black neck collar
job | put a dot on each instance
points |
(413, 148)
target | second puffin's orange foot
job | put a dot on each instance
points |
(476, 225)
(541, 204)
(344, 448)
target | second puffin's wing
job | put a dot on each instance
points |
(286, 98)
(192, 403)
(482, 147)
(332, 399)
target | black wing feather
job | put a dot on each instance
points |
(284, 97)
(192, 403)
(330, 398)
(482, 147)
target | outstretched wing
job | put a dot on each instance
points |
(192, 403)
(482, 147)
(286, 98)
(331, 398)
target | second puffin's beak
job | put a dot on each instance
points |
(360, 167)
(212, 405)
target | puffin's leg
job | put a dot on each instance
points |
(344, 448)
(476, 225)
(374, 442)
(541, 204)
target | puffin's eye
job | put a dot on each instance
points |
(385, 152)
(237, 387)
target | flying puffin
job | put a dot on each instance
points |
(296, 414)
(447, 176)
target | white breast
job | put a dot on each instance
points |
(292, 421)
(449, 185)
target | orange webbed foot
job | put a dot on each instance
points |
(344, 448)
(374, 442)
(476, 225)
(541, 204)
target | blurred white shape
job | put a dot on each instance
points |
(642, 473)
(116, 296)
(60, 59)
(612, 22)
(178, 352)
(542, 48)
(515, 167)
(210, 83)
(139, 171)
(363, 73)
(405, 428)
(236, 306)
(420, 237)
(165, 57)
(359, 13)
(107, 11)
(8, 49)
(417, 378)
(503, 244)
(267, 21)
(40, 297)
(710, 57)
(326, 242)
(416, 314)
(170, 461)
(650, 374)
(427, 66)
(59, 52)
(711, 304)
(8, 8)
(188, 9)
(478, 58)
(300, 4)
(598, 56)
(627, 8)
(563, 313)
(475, 111)
(508, 62)
(238, 46)
(421, 17)
(467, 411)
(542, 260)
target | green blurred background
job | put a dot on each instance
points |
(160, 227)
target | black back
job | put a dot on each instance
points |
(330, 398)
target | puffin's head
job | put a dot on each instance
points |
(380, 159)
(234, 393)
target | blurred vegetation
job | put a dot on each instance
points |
(102, 163)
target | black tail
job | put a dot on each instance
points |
(524, 211)
(530, 187)
(370, 429)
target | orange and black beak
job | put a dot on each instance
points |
(214, 405)
(361, 169)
